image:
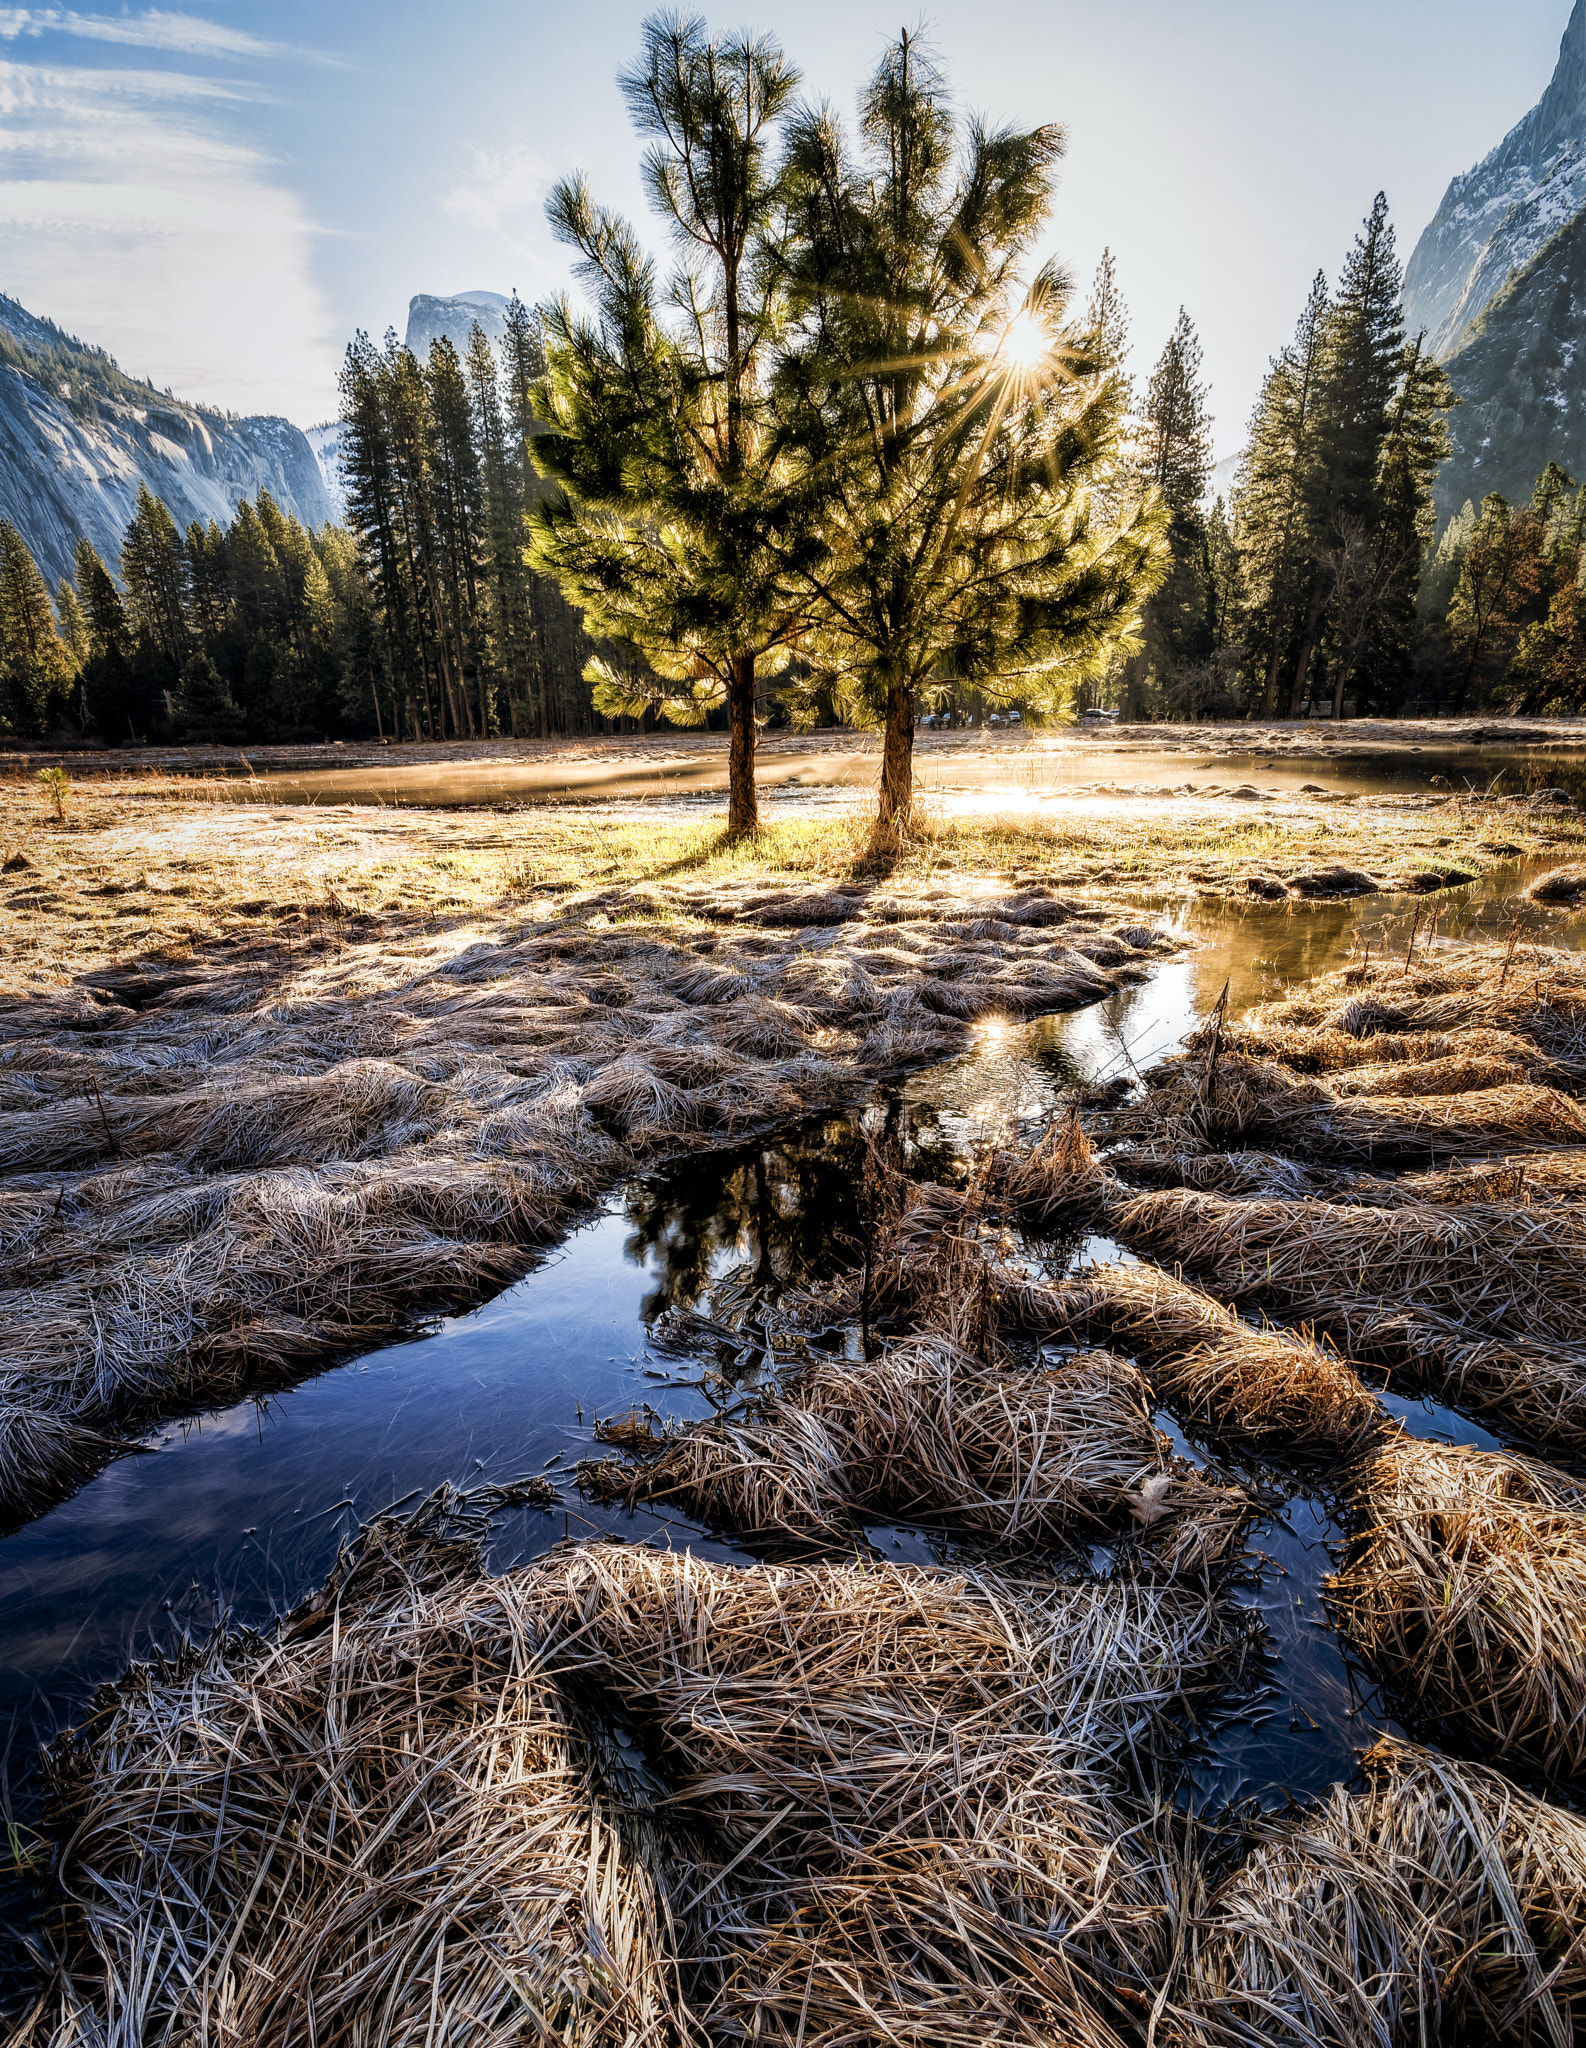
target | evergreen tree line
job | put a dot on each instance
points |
(1503, 620)
(1304, 589)
(419, 619)
(468, 638)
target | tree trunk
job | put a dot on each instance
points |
(1313, 621)
(897, 756)
(743, 814)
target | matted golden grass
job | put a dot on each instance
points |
(1466, 1591)
(220, 1174)
(1272, 1389)
(877, 1804)
(386, 1823)
(1483, 1303)
(1442, 1903)
(413, 1814)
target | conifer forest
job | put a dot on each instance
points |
(628, 508)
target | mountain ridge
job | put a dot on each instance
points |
(78, 436)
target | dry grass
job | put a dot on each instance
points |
(1475, 1000)
(385, 1824)
(1440, 1904)
(921, 1778)
(1267, 1388)
(879, 1804)
(1245, 1103)
(1482, 1303)
(1502, 1270)
(230, 1172)
(1465, 1593)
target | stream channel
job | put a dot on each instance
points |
(239, 1513)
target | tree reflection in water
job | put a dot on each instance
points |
(788, 1207)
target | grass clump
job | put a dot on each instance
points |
(1465, 1592)
(1441, 1903)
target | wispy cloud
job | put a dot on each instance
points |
(183, 35)
(133, 211)
(506, 184)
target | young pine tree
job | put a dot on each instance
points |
(658, 430)
(946, 433)
(36, 670)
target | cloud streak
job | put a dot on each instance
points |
(133, 212)
(181, 35)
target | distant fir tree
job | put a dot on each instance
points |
(1172, 456)
(657, 428)
(1377, 555)
(154, 572)
(1500, 579)
(947, 431)
(1361, 345)
(1106, 343)
(1273, 495)
(204, 712)
(507, 596)
(36, 671)
(458, 489)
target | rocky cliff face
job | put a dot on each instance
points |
(1495, 218)
(1521, 370)
(1498, 285)
(429, 318)
(77, 437)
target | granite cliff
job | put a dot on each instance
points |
(1498, 285)
(77, 437)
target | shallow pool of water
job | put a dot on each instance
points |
(968, 771)
(240, 1513)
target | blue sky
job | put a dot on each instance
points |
(221, 196)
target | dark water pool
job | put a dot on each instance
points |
(239, 1513)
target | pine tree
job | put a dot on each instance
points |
(1273, 491)
(947, 432)
(1106, 343)
(458, 492)
(35, 666)
(1499, 579)
(1173, 447)
(659, 434)
(1362, 339)
(1172, 455)
(209, 579)
(506, 579)
(154, 569)
(1375, 641)
(109, 632)
(204, 712)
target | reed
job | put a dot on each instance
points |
(1465, 1593)
(1271, 1389)
(1441, 1903)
